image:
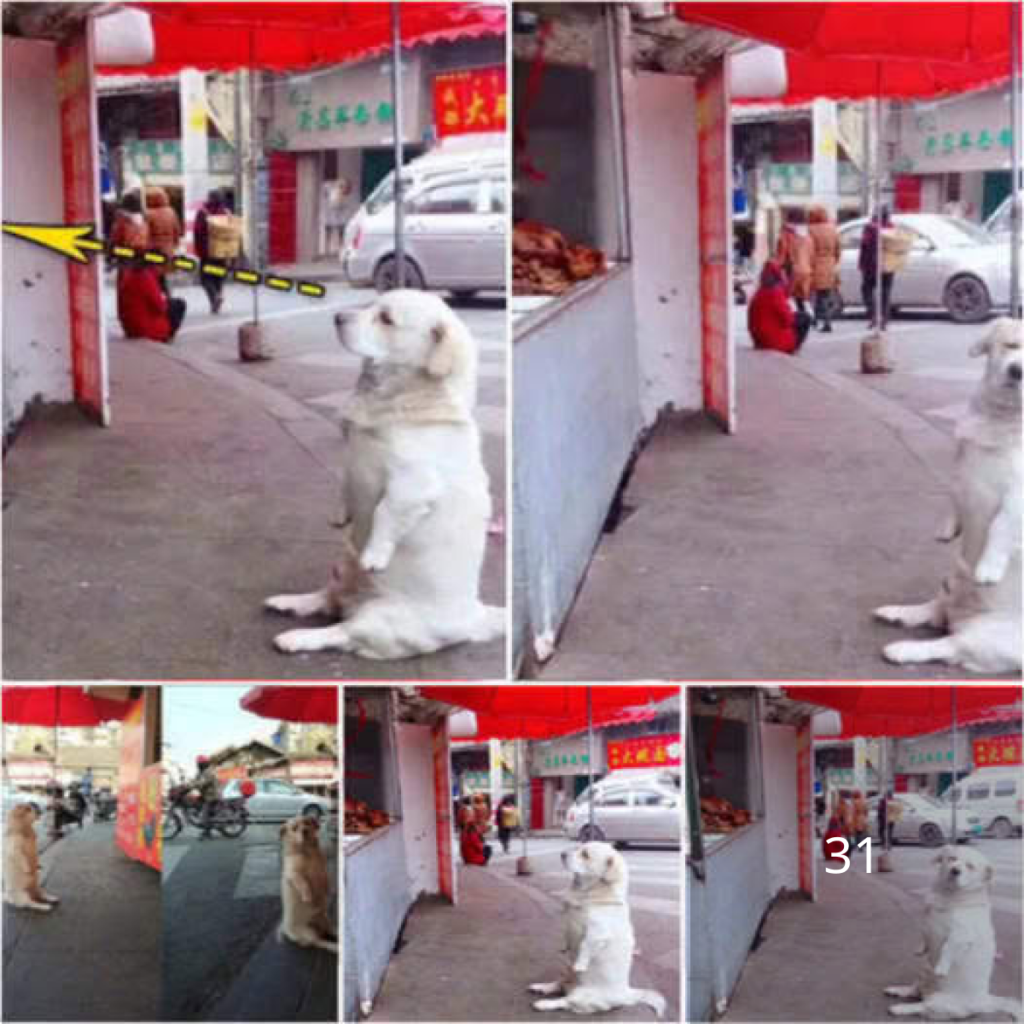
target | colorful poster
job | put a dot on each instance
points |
(79, 145)
(659, 751)
(714, 161)
(470, 101)
(443, 810)
(997, 751)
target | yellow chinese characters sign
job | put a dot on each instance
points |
(470, 101)
(997, 751)
(661, 751)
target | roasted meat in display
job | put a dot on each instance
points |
(361, 819)
(545, 263)
(718, 815)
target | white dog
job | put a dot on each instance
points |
(416, 494)
(22, 887)
(305, 887)
(599, 937)
(959, 945)
(980, 601)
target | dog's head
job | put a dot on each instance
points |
(1000, 385)
(410, 329)
(597, 864)
(20, 819)
(961, 869)
(299, 833)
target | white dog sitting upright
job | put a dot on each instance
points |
(959, 945)
(415, 496)
(599, 937)
(980, 600)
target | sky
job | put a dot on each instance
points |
(202, 719)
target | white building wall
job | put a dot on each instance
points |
(419, 824)
(778, 746)
(661, 149)
(36, 314)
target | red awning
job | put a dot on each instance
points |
(858, 50)
(293, 703)
(284, 36)
(534, 712)
(59, 705)
(878, 710)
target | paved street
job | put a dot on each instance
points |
(831, 960)
(147, 550)
(476, 960)
(221, 958)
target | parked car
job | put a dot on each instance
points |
(629, 807)
(455, 234)
(278, 800)
(12, 796)
(926, 820)
(995, 795)
(952, 265)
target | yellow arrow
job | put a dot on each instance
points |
(67, 239)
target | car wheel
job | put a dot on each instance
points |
(314, 811)
(464, 295)
(591, 834)
(931, 835)
(967, 300)
(1002, 829)
(385, 276)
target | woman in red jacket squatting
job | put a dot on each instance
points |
(143, 308)
(771, 320)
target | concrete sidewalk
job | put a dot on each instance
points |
(145, 551)
(761, 555)
(96, 956)
(475, 961)
(831, 960)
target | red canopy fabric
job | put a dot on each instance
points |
(534, 712)
(966, 32)
(282, 36)
(878, 710)
(293, 703)
(58, 705)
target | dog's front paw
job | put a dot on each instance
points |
(376, 557)
(989, 571)
(294, 641)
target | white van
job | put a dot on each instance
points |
(996, 795)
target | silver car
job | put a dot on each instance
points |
(952, 265)
(455, 236)
(926, 820)
(642, 810)
(278, 800)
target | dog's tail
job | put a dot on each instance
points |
(996, 1004)
(647, 996)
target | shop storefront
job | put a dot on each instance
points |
(750, 829)
(559, 771)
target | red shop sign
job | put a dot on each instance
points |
(470, 101)
(997, 751)
(661, 751)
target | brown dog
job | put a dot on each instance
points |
(305, 887)
(21, 862)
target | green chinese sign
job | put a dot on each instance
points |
(930, 758)
(965, 141)
(163, 156)
(338, 115)
(566, 760)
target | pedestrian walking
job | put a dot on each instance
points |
(164, 230)
(130, 229)
(507, 820)
(895, 245)
(771, 320)
(834, 830)
(861, 817)
(844, 812)
(561, 806)
(217, 241)
(208, 784)
(465, 814)
(825, 254)
(85, 784)
(482, 812)
(794, 253)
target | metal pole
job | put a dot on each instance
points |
(396, 106)
(254, 221)
(1017, 142)
(239, 167)
(590, 759)
(878, 202)
(952, 801)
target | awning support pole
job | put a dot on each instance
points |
(1016, 214)
(952, 800)
(254, 220)
(590, 759)
(396, 106)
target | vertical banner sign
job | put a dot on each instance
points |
(804, 808)
(443, 809)
(79, 148)
(470, 101)
(714, 161)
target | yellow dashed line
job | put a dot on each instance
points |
(155, 257)
(185, 263)
(308, 288)
(214, 271)
(123, 250)
(282, 284)
(247, 276)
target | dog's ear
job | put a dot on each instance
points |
(940, 854)
(615, 871)
(448, 354)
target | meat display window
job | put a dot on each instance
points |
(569, 205)
(372, 800)
(725, 757)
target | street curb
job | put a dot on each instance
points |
(921, 440)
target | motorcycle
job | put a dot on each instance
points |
(67, 810)
(104, 806)
(230, 817)
(183, 806)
